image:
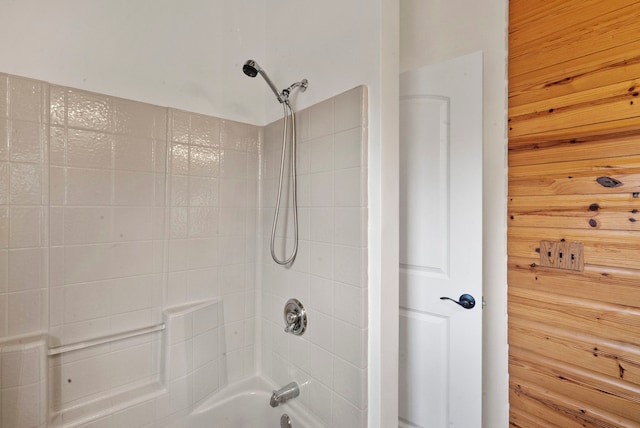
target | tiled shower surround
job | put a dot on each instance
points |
(329, 273)
(117, 215)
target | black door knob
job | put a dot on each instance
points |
(466, 301)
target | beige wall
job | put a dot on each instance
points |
(434, 31)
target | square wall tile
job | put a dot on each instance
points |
(89, 149)
(349, 109)
(233, 164)
(57, 146)
(135, 293)
(25, 313)
(350, 344)
(206, 381)
(21, 406)
(206, 319)
(26, 184)
(320, 401)
(236, 135)
(134, 153)
(205, 130)
(179, 124)
(321, 193)
(206, 348)
(203, 253)
(87, 186)
(321, 224)
(139, 119)
(203, 191)
(131, 364)
(232, 221)
(349, 382)
(85, 263)
(27, 269)
(26, 141)
(180, 159)
(321, 260)
(349, 304)
(204, 161)
(26, 99)
(234, 307)
(303, 123)
(350, 226)
(349, 265)
(321, 292)
(134, 223)
(322, 154)
(321, 121)
(345, 414)
(233, 192)
(87, 301)
(57, 105)
(86, 225)
(321, 365)
(57, 185)
(86, 110)
(234, 336)
(134, 188)
(320, 332)
(349, 190)
(350, 149)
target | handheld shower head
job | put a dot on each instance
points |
(252, 69)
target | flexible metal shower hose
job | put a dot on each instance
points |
(288, 110)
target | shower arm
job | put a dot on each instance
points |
(301, 84)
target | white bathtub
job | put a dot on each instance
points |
(246, 405)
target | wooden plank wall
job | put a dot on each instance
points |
(574, 116)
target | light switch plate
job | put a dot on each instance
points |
(562, 255)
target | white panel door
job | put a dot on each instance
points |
(440, 379)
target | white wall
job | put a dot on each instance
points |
(432, 32)
(189, 54)
(186, 54)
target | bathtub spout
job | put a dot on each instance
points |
(285, 393)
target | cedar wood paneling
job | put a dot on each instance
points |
(574, 116)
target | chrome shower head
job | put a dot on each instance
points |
(252, 69)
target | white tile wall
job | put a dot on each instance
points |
(23, 382)
(197, 355)
(112, 211)
(211, 214)
(329, 273)
(23, 201)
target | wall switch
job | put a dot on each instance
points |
(562, 255)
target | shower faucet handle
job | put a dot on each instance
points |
(291, 321)
(295, 317)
